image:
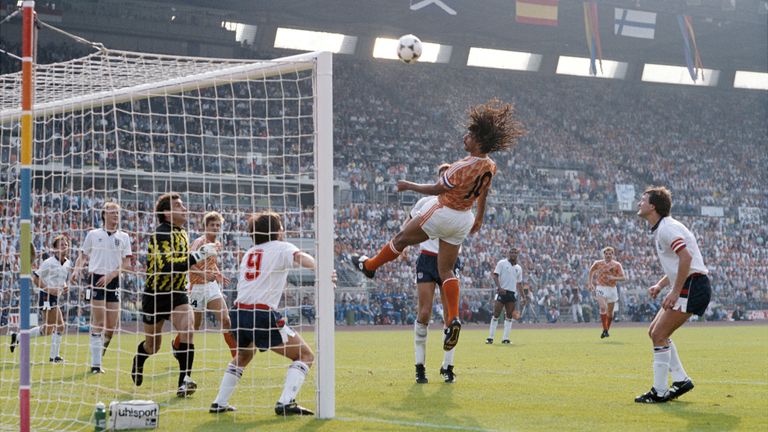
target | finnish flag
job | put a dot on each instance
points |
(634, 23)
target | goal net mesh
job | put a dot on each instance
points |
(233, 136)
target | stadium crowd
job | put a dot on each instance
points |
(554, 196)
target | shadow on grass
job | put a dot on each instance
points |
(422, 407)
(233, 423)
(700, 420)
(611, 342)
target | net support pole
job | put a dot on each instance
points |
(324, 295)
(27, 97)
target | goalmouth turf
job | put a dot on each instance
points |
(550, 378)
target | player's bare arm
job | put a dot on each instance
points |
(499, 291)
(80, 263)
(106, 279)
(683, 267)
(305, 260)
(590, 277)
(660, 285)
(422, 188)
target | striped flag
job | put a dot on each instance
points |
(690, 49)
(592, 28)
(538, 12)
(634, 23)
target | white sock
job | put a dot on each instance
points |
(55, 344)
(294, 378)
(507, 328)
(492, 331)
(35, 332)
(420, 342)
(95, 344)
(675, 366)
(228, 383)
(661, 357)
(448, 358)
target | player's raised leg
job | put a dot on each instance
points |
(411, 234)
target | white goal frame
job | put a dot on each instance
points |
(322, 65)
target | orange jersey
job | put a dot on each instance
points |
(207, 265)
(604, 269)
(466, 180)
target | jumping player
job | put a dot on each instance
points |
(427, 279)
(448, 216)
(608, 272)
(258, 325)
(686, 274)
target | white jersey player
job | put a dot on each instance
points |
(508, 277)
(686, 274)
(258, 325)
(51, 278)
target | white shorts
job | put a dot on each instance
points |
(610, 294)
(201, 294)
(445, 223)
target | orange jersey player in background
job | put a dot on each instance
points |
(607, 271)
(447, 216)
(206, 281)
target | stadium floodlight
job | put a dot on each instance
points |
(579, 66)
(308, 40)
(751, 80)
(386, 48)
(679, 75)
(503, 59)
(243, 32)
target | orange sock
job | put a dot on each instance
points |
(451, 289)
(604, 320)
(231, 343)
(608, 321)
(176, 342)
(386, 254)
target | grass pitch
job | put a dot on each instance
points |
(548, 379)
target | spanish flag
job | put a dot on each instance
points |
(539, 12)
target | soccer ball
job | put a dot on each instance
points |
(409, 48)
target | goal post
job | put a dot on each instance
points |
(235, 136)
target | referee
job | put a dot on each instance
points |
(165, 293)
(107, 251)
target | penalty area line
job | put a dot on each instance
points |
(410, 423)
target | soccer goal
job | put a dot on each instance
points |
(232, 136)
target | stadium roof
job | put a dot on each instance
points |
(727, 39)
(730, 34)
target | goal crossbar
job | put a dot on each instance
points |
(56, 87)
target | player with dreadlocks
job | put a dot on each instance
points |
(448, 216)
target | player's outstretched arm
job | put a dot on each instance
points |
(422, 188)
(303, 259)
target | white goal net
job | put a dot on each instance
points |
(232, 136)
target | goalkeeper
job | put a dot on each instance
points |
(165, 294)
